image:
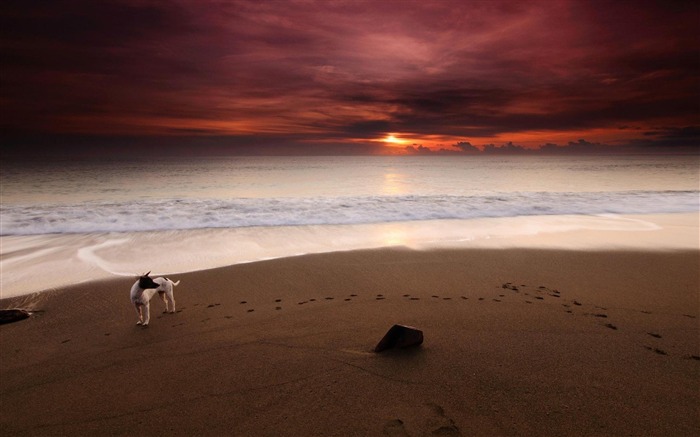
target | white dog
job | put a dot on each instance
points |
(143, 290)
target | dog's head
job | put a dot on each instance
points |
(146, 282)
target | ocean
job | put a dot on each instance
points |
(81, 220)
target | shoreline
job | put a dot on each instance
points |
(38, 263)
(517, 341)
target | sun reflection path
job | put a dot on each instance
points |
(395, 237)
(394, 183)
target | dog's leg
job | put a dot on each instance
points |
(165, 300)
(138, 313)
(147, 313)
(171, 296)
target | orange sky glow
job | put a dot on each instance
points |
(318, 77)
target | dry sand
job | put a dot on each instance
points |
(517, 342)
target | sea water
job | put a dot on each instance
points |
(68, 221)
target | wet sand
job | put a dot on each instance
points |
(41, 262)
(517, 342)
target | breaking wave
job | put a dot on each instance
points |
(184, 214)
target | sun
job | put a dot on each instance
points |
(391, 139)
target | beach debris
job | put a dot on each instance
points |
(400, 336)
(395, 427)
(13, 315)
(657, 350)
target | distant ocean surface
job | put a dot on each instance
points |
(75, 221)
(235, 192)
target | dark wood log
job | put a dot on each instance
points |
(13, 315)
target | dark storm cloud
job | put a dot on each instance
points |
(343, 72)
(679, 139)
(369, 129)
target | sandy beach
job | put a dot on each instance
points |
(517, 342)
(516, 184)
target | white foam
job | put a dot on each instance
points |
(35, 263)
(183, 214)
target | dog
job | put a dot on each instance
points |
(143, 290)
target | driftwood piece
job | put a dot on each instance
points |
(12, 315)
(400, 336)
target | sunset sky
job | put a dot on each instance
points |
(349, 77)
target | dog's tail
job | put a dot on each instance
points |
(171, 281)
